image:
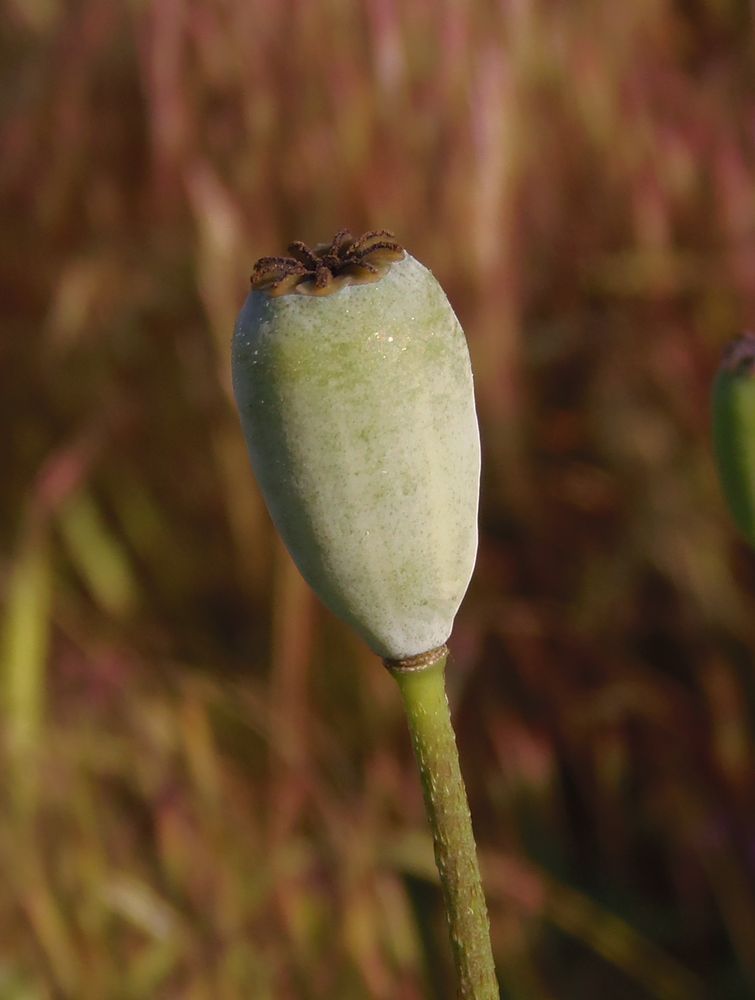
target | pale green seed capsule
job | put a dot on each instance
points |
(358, 410)
(734, 431)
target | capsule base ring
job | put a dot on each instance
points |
(414, 664)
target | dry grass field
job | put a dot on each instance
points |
(207, 788)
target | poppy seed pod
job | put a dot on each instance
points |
(734, 431)
(352, 378)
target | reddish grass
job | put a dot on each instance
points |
(208, 783)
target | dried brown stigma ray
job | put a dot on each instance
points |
(326, 267)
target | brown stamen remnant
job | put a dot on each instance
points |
(327, 267)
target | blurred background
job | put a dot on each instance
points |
(207, 786)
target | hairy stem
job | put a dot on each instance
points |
(422, 684)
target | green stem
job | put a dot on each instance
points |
(422, 684)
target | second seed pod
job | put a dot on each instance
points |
(734, 431)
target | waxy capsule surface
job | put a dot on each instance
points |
(358, 412)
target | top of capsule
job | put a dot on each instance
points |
(739, 355)
(326, 267)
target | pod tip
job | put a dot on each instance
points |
(326, 267)
(739, 356)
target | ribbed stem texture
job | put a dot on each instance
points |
(422, 686)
